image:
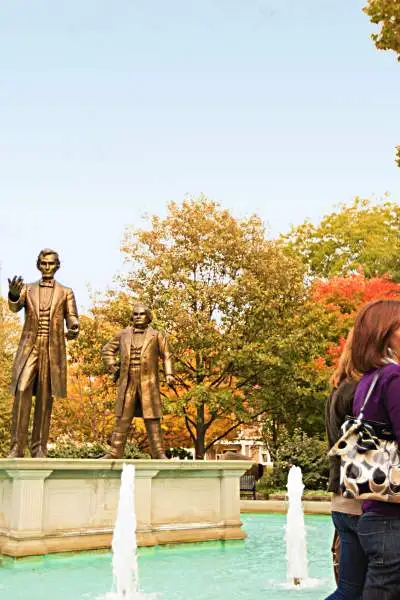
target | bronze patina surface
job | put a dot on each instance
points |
(133, 356)
(40, 365)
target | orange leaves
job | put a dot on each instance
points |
(345, 295)
(320, 363)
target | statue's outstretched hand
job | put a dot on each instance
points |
(15, 286)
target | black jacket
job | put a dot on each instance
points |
(338, 406)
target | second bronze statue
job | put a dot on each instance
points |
(133, 356)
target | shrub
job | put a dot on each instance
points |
(71, 449)
(180, 453)
(308, 453)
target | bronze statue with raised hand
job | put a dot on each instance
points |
(133, 358)
(40, 366)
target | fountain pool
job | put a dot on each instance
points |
(250, 569)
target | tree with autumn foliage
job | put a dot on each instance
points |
(341, 298)
(286, 387)
(254, 340)
(88, 413)
(10, 330)
(361, 235)
(318, 338)
(226, 296)
(351, 257)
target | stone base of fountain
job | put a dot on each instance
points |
(60, 505)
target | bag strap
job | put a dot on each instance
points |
(367, 397)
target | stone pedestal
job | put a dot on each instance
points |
(59, 505)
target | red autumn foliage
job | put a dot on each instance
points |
(344, 296)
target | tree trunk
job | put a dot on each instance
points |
(273, 442)
(200, 434)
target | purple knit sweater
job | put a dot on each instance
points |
(382, 406)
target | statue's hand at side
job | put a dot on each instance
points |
(15, 286)
(73, 332)
(114, 370)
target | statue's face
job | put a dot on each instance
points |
(140, 318)
(48, 266)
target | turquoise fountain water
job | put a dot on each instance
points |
(249, 570)
(242, 570)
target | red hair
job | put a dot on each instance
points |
(375, 324)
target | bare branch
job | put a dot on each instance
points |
(188, 418)
(223, 435)
(222, 376)
(220, 437)
(187, 365)
(209, 423)
(192, 435)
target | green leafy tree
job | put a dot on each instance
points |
(363, 235)
(296, 384)
(226, 295)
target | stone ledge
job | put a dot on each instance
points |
(311, 507)
(308, 498)
(75, 541)
(57, 505)
(89, 464)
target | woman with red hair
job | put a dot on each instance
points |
(376, 350)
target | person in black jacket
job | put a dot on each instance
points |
(350, 562)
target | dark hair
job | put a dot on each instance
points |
(375, 324)
(148, 311)
(46, 252)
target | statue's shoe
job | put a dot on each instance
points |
(39, 454)
(16, 452)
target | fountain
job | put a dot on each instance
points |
(212, 570)
(124, 546)
(296, 545)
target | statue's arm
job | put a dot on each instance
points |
(166, 356)
(110, 353)
(71, 316)
(15, 303)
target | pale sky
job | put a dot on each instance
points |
(109, 110)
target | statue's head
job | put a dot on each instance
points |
(48, 263)
(141, 316)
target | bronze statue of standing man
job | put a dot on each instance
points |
(133, 356)
(40, 366)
